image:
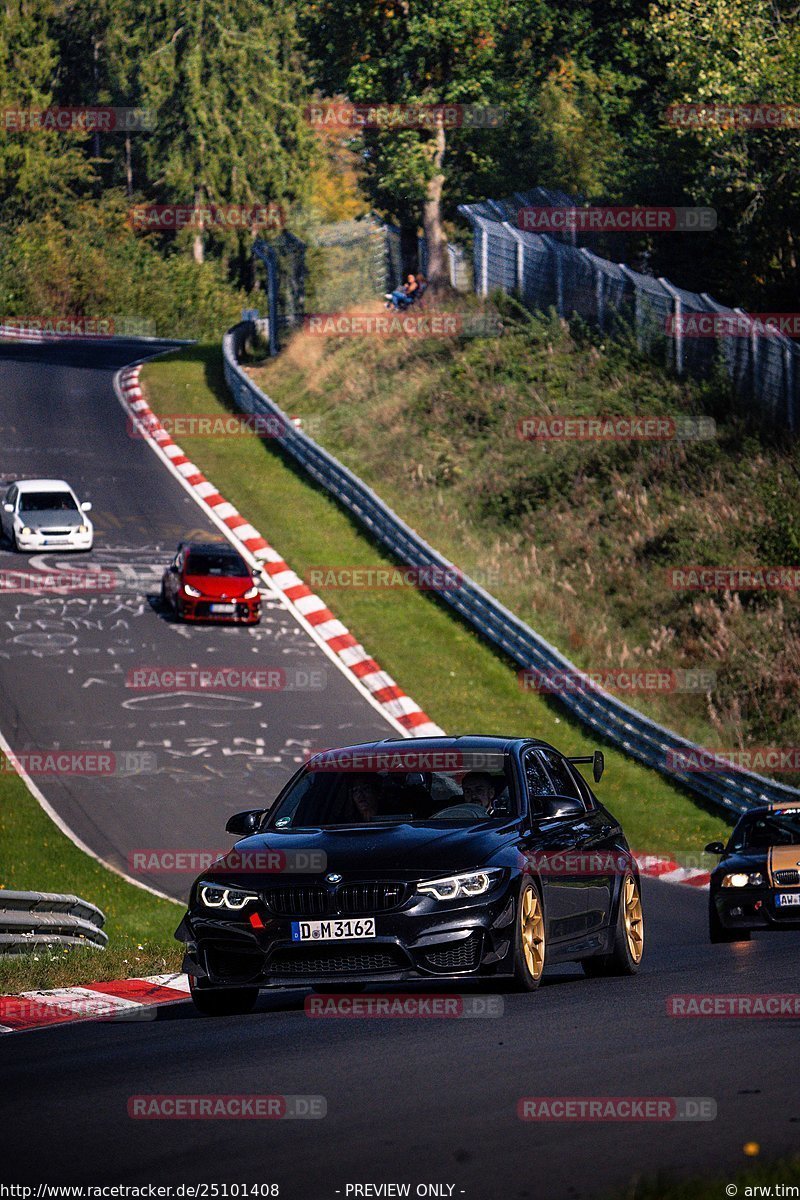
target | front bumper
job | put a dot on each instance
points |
(247, 612)
(45, 540)
(755, 908)
(421, 940)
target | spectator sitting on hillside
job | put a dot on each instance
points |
(403, 296)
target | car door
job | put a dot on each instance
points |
(173, 577)
(7, 518)
(601, 850)
(554, 852)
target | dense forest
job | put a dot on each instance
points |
(583, 86)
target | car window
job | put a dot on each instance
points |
(584, 791)
(326, 796)
(205, 562)
(47, 502)
(561, 775)
(758, 832)
(537, 780)
(11, 497)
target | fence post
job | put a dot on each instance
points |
(555, 250)
(637, 305)
(599, 289)
(788, 362)
(753, 365)
(484, 289)
(677, 331)
(519, 263)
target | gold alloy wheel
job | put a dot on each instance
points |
(634, 921)
(531, 919)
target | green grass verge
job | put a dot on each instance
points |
(37, 856)
(460, 682)
(747, 1183)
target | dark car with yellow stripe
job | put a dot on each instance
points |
(756, 884)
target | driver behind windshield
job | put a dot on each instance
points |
(363, 792)
(478, 787)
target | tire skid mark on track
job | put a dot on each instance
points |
(309, 609)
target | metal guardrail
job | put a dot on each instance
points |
(31, 920)
(732, 791)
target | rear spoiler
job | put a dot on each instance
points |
(597, 760)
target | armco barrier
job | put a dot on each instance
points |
(32, 920)
(609, 718)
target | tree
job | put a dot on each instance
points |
(406, 52)
(226, 82)
(733, 52)
(40, 169)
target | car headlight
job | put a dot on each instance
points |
(251, 595)
(213, 895)
(26, 531)
(83, 529)
(739, 880)
(191, 591)
(452, 887)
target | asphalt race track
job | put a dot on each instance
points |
(409, 1101)
(65, 659)
(426, 1100)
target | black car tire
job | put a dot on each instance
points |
(526, 980)
(222, 1002)
(619, 960)
(717, 933)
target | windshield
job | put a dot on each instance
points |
(326, 796)
(47, 502)
(778, 828)
(207, 563)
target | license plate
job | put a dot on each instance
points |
(786, 899)
(333, 931)
(223, 608)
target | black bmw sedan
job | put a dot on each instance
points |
(756, 884)
(438, 859)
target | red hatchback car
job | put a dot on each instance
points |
(210, 581)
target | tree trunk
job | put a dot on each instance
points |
(437, 273)
(198, 246)
(128, 166)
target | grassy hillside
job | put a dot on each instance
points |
(578, 537)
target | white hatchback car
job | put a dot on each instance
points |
(44, 514)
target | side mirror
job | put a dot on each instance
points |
(563, 806)
(8, 507)
(245, 823)
(86, 506)
(715, 848)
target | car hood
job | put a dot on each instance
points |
(53, 518)
(742, 860)
(365, 851)
(220, 587)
